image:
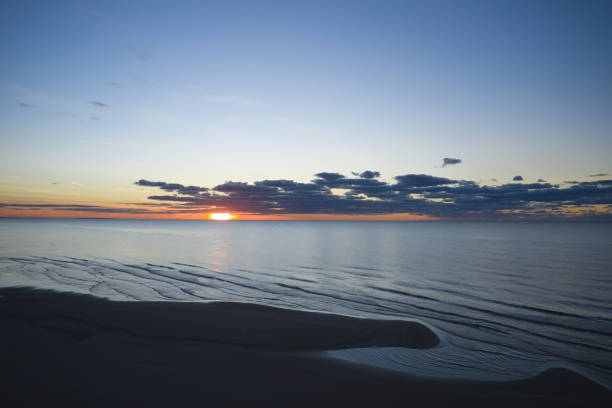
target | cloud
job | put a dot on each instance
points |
(172, 187)
(541, 181)
(422, 180)
(598, 175)
(94, 118)
(449, 161)
(27, 105)
(104, 210)
(517, 178)
(238, 187)
(418, 194)
(99, 104)
(366, 174)
(290, 185)
(329, 176)
(143, 56)
(48, 205)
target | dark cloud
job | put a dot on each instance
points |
(449, 161)
(418, 194)
(541, 181)
(26, 105)
(517, 178)
(598, 175)
(366, 174)
(329, 176)
(422, 180)
(289, 185)
(238, 187)
(99, 104)
(173, 187)
(571, 182)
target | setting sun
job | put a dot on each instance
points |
(221, 216)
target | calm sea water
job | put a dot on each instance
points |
(507, 299)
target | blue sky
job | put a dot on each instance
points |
(206, 92)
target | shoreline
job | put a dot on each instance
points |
(69, 349)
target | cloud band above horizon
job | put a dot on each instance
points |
(417, 194)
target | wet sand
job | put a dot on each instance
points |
(76, 350)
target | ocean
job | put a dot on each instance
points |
(507, 299)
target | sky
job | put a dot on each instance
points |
(101, 100)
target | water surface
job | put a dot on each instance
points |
(507, 299)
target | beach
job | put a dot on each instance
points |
(306, 204)
(75, 350)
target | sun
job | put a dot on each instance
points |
(221, 216)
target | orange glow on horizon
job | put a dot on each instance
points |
(53, 213)
(334, 217)
(221, 216)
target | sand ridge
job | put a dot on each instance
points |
(75, 350)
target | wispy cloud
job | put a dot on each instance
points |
(28, 98)
(99, 104)
(101, 209)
